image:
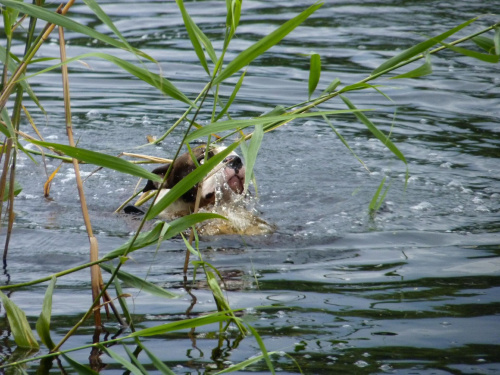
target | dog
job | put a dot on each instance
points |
(221, 192)
(223, 184)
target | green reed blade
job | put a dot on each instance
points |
(422, 70)
(43, 322)
(118, 358)
(182, 324)
(496, 40)
(257, 49)
(17, 189)
(189, 181)
(419, 48)
(68, 23)
(263, 348)
(375, 131)
(221, 126)
(331, 87)
(100, 159)
(155, 360)
(23, 336)
(493, 59)
(231, 98)
(134, 360)
(78, 367)
(174, 228)
(94, 6)
(485, 43)
(242, 365)
(139, 283)
(314, 73)
(145, 75)
(251, 153)
(190, 28)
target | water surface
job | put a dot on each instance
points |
(414, 290)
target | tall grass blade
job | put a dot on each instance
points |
(257, 49)
(422, 70)
(331, 87)
(17, 189)
(100, 159)
(220, 300)
(12, 67)
(375, 131)
(236, 12)
(134, 360)
(94, 6)
(344, 142)
(314, 73)
(123, 303)
(43, 322)
(78, 367)
(377, 200)
(155, 360)
(231, 98)
(23, 336)
(190, 28)
(244, 364)
(8, 130)
(496, 40)
(182, 324)
(492, 59)
(188, 182)
(139, 283)
(118, 358)
(145, 75)
(420, 48)
(67, 23)
(263, 348)
(263, 120)
(251, 153)
(485, 43)
(174, 228)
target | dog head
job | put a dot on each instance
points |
(225, 180)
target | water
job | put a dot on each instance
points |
(414, 290)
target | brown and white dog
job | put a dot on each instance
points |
(225, 182)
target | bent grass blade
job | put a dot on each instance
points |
(257, 49)
(153, 79)
(100, 159)
(43, 322)
(419, 48)
(139, 283)
(23, 335)
(188, 182)
(314, 73)
(221, 126)
(68, 23)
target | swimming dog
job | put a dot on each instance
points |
(225, 182)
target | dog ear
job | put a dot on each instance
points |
(160, 171)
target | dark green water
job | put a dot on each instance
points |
(416, 290)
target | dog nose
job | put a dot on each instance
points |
(233, 161)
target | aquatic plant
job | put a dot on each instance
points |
(15, 84)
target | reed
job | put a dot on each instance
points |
(14, 84)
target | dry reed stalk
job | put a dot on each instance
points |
(30, 119)
(95, 271)
(153, 159)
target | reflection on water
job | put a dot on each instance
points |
(413, 290)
